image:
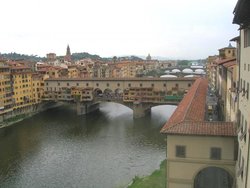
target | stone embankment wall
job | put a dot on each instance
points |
(16, 115)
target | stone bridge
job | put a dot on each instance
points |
(139, 94)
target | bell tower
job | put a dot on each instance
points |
(68, 55)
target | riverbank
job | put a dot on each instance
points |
(156, 179)
(16, 116)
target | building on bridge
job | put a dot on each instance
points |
(139, 94)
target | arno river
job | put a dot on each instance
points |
(105, 149)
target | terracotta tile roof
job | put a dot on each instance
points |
(203, 128)
(229, 64)
(220, 62)
(188, 118)
(19, 67)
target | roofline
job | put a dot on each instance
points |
(122, 79)
(208, 135)
(235, 39)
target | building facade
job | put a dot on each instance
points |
(199, 153)
(6, 102)
(242, 18)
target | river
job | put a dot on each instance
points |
(104, 149)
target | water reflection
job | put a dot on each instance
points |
(57, 148)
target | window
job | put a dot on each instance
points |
(247, 90)
(58, 84)
(118, 85)
(97, 84)
(67, 84)
(238, 118)
(176, 85)
(189, 85)
(244, 85)
(246, 37)
(242, 169)
(77, 84)
(152, 85)
(87, 84)
(180, 151)
(140, 84)
(215, 153)
(164, 85)
(129, 85)
(107, 84)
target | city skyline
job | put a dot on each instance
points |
(175, 30)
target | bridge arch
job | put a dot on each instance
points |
(128, 106)
(213, 176)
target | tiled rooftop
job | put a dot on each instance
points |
(230, 63)
(188, 118)
(220, 62)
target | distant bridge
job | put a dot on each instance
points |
(139, 94)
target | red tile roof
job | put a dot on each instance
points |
(188, 118)
(220, 62)
(203, 128)
(229, 64)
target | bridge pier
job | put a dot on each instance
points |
(140, 110)
(85, 108)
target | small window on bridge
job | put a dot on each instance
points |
(189, 85)
(152, 85)
(141, 85)
(176, 85)
(164, 85)
(67, 84)
(129, 85)
(77, 84)
(107, 84)
(58, 84)
(97, 84)
(87, 84)
(118, 84)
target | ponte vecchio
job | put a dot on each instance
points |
(139, 94)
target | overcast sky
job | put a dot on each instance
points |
(179, 29)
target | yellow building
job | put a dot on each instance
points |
(37, 88)
(227, 52)
(73, 72)
(22, 85)
(145, 95)
(82, 94)
(6, 102)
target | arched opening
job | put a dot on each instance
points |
(98, 92)
(108, 94)
(107, 91)
(213, 177)
(118, 91)
(118, 94)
